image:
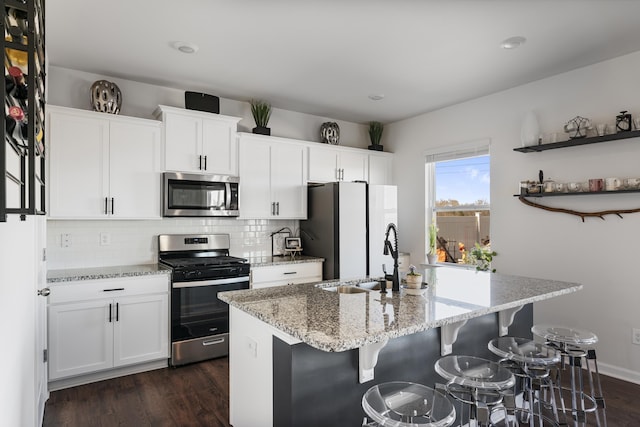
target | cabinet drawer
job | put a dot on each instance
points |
(287, 273)
(83, 290)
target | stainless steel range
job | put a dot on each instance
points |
(201, 268)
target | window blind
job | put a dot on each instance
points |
(468, 149)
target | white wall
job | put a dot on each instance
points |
(70, 88)
(531, 242)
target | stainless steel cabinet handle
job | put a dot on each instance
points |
(200, 162)
(212, 342)
(117, 312)
(106, 204)
(112, 212)
(277, 208)
(110, 312)
(205, 162)
(273, 208)
(44, 292)
(341, 174)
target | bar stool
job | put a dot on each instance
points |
(480, 385)
(404, 404)
(576, 345)
(531, 363)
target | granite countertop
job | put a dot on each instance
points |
(330, 321)
(279, 260)
(68, 275)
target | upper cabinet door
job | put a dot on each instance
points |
(288, 180)
(255, 179)
(219, 147)
(183, 143)
(354, 166)
(323, 164)
(381, 169)
(134, 170)
(78, 165)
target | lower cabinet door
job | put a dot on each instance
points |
(80, 338)
(141, 329)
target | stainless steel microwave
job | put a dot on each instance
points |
(187, 194)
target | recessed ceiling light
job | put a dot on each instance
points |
(376, 97)
(185, 47)
(513, 42)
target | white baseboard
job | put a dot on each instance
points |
(620, 373)
(108, 374)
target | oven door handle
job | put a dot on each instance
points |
(196, 284)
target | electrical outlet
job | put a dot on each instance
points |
(636, 336)
(65, 240)
(105, 239)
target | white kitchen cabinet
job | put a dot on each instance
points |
(199, 142)
(331, 163)
(285, 274)
(272, 178)
(102, 166)
(97, 325)
(381, 168)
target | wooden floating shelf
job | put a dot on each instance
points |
(583, 193)
(578, 141)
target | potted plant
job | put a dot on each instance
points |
(482, 257)
(432, 255)
(413, 279)
(261, 112)
(375, 134)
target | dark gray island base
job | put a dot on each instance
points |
(304, 355)
(317, 388)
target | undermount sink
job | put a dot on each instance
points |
(345, 289)
(371, 286)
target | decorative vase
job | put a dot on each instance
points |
(106, 97)
(432, 258)
(261, 130)
(530, 130)
(376, 147)
(414, 281)
(330, 133)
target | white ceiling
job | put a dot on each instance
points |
(325, 57)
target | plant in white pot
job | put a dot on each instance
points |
(413, 279)
(432, 255)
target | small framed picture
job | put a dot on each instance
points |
(292, 243)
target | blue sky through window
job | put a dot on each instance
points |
(465, 180)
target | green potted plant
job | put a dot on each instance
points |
(261, 112)
(375, 134)
(432, 255)
(482, 257)
(413, 279)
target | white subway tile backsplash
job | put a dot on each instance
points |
(135, 242)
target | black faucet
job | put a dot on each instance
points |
(393, 250)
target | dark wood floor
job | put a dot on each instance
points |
(198, 395)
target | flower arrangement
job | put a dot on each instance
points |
(482, 257)
(412, 271)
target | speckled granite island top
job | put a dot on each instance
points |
(332, 321)
(279, 260)
(69, 275)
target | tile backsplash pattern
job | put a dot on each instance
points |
(135, 242)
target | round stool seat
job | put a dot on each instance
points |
(474, 372)
(524, 350)
(565, 335)
(403, 404)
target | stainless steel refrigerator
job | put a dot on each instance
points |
(346, 226)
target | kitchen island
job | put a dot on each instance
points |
(305, 354)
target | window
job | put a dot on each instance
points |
(458, 197)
